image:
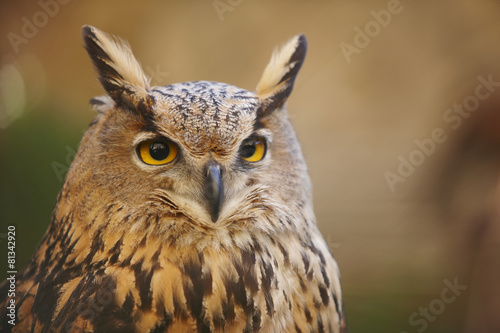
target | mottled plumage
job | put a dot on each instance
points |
(220, 238)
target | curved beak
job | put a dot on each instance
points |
(214, 191)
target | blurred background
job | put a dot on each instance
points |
(397, 108)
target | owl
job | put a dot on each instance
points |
(186, 209)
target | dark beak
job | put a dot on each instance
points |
(214, 191)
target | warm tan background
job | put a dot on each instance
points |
(354, 119)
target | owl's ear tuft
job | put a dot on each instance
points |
(276, 82)
(119, 72)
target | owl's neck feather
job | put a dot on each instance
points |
(102, 227)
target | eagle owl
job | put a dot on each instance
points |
(186, 209)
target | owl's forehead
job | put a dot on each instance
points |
(205, 115)
(193, 98)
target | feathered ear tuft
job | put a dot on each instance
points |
(276, 82)
(119, 72)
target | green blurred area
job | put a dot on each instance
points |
(35, 153)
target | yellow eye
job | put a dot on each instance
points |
(253, 149)
(157, 152)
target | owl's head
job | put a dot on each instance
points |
(203, 153)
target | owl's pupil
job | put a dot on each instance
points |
(248, 149)
(159, 151)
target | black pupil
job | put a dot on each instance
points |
(159, 151)
(248, 149)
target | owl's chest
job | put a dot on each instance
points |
(265, 286)
(221, 289)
